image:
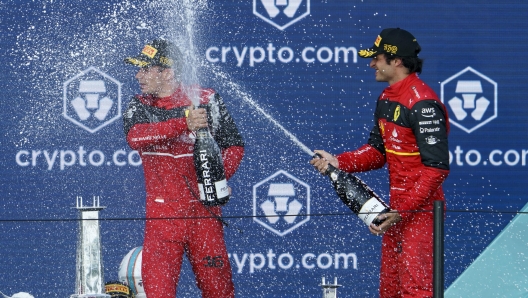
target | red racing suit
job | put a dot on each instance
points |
(157, 128)
(410, 135)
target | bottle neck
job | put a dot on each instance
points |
(330, 169)
(202, 133)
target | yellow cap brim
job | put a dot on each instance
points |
(367, 53)
(137, 62)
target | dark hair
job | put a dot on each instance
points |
(413, 64)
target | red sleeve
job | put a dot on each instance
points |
(145, 134)
(361, 160)
(430, 181)
(232, 157)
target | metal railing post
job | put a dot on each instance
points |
(438, 249)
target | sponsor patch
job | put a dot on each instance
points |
(166, 61)
(396, 114)
(415, 91)
(117, 288)
(149, 51)
(382, 128)
(428, 112)
(429, 130)
(130, 112)
(431, 140)
(390, 49)
(378, 40)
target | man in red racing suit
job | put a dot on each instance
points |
(410, 135)
(160, 124)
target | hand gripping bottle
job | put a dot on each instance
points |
(209, 168)
(354, 193)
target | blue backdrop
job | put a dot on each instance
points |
(291, 77)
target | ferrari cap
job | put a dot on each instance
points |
(393, 41)
(159, 52)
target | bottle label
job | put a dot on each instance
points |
(211, 193)
(207, 192)
(370, 210)
(222, 190)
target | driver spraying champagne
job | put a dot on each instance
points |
(161, 124)
(410, 135)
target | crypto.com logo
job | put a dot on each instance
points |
(92, 99)
(471, 99)
(281, 13)
(281, 203)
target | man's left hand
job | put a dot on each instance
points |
(390, 218)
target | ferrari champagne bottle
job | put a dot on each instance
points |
(354, 193)
(209, 167)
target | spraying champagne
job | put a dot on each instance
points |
(354, 193)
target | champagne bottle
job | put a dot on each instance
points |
(209, 168)
(354, 193)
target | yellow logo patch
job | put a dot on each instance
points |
(396, 114)
(381, 127)
(390, 49)
(378, 40)
(149, 51)
(117, 288)
(166, 61)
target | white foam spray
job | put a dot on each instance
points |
(18, 295)
(192, 63)
(182, 28)
(247, 98)
(185, 16)
(187, 25)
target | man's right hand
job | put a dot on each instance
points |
(321, 163)
(196, 118)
